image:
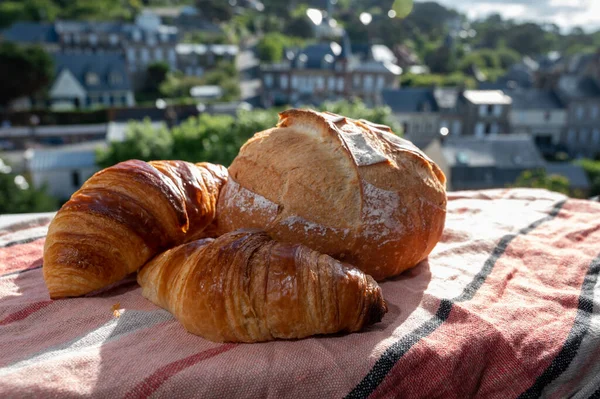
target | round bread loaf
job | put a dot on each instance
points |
(347, 188)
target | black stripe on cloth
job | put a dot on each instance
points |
(389, 358)
(22, 241)
(580, 328)
(21, 271)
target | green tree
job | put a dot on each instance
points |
(540, 179)
(592, 169)
(25, 70)
(156, 74)
(17, 196)
(270, 47)
(142, 142)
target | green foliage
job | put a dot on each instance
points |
(224, 74)
(205, 38)
(26, 71)
(507, 57)
(592, 169)
(433, 80)
(17, 196)
(142, 142)
(441, 60)
(540, 179)
(215, 138)
(271, 46)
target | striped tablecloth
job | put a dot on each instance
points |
(506, 306)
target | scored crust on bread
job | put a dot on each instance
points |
(348, 188)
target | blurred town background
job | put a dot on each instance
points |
(496, 99)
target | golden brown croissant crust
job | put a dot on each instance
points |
(124, 215)
(246, 287)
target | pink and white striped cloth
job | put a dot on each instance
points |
(507, 305)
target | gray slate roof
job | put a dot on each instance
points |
(103, 65)
(409, 100)
(539, 99)
(504, 152)
(573, 87)
(31, 32)
(575, 173)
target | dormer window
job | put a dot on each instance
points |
(116, 78)
(137, 36)
(91, 79)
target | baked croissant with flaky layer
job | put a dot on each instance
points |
(246, 287)
(123, 216)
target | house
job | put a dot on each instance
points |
(474, 163)
(63, 169)
(540, 114)
(328, 71)
(194, 59)
(582, 98)
(88, 80)
(416, 110)
(43, 34)
(485, 112)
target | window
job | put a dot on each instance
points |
(268, 78)
(583, 136)
(172, 56)
(579, 111)
(571, 136)
(116, 79)
(340, 84)
(380, 82)
(113, 39)
(151, 40)
(67, 39)
(145, 55)
(498, 110)
(189, 71)
(130, 54)
(490, 109)
(596, 136)
(404, 127)
(93, 39)
(76, 39)
(158, 54)
(137, 36)
(594, 111)
(488, 128)
(356, 81)
(482, 110)
(283, 81)
(456, 128)
(331, 83)
(368, 82)
(164, 37)
(75, 179)
(294, 82)
(495, 128)
(479, 130)
(320, 83)
(91, 79)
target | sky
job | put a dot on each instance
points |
(565, 13)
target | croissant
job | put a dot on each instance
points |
(246, 287)
(123, 216)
